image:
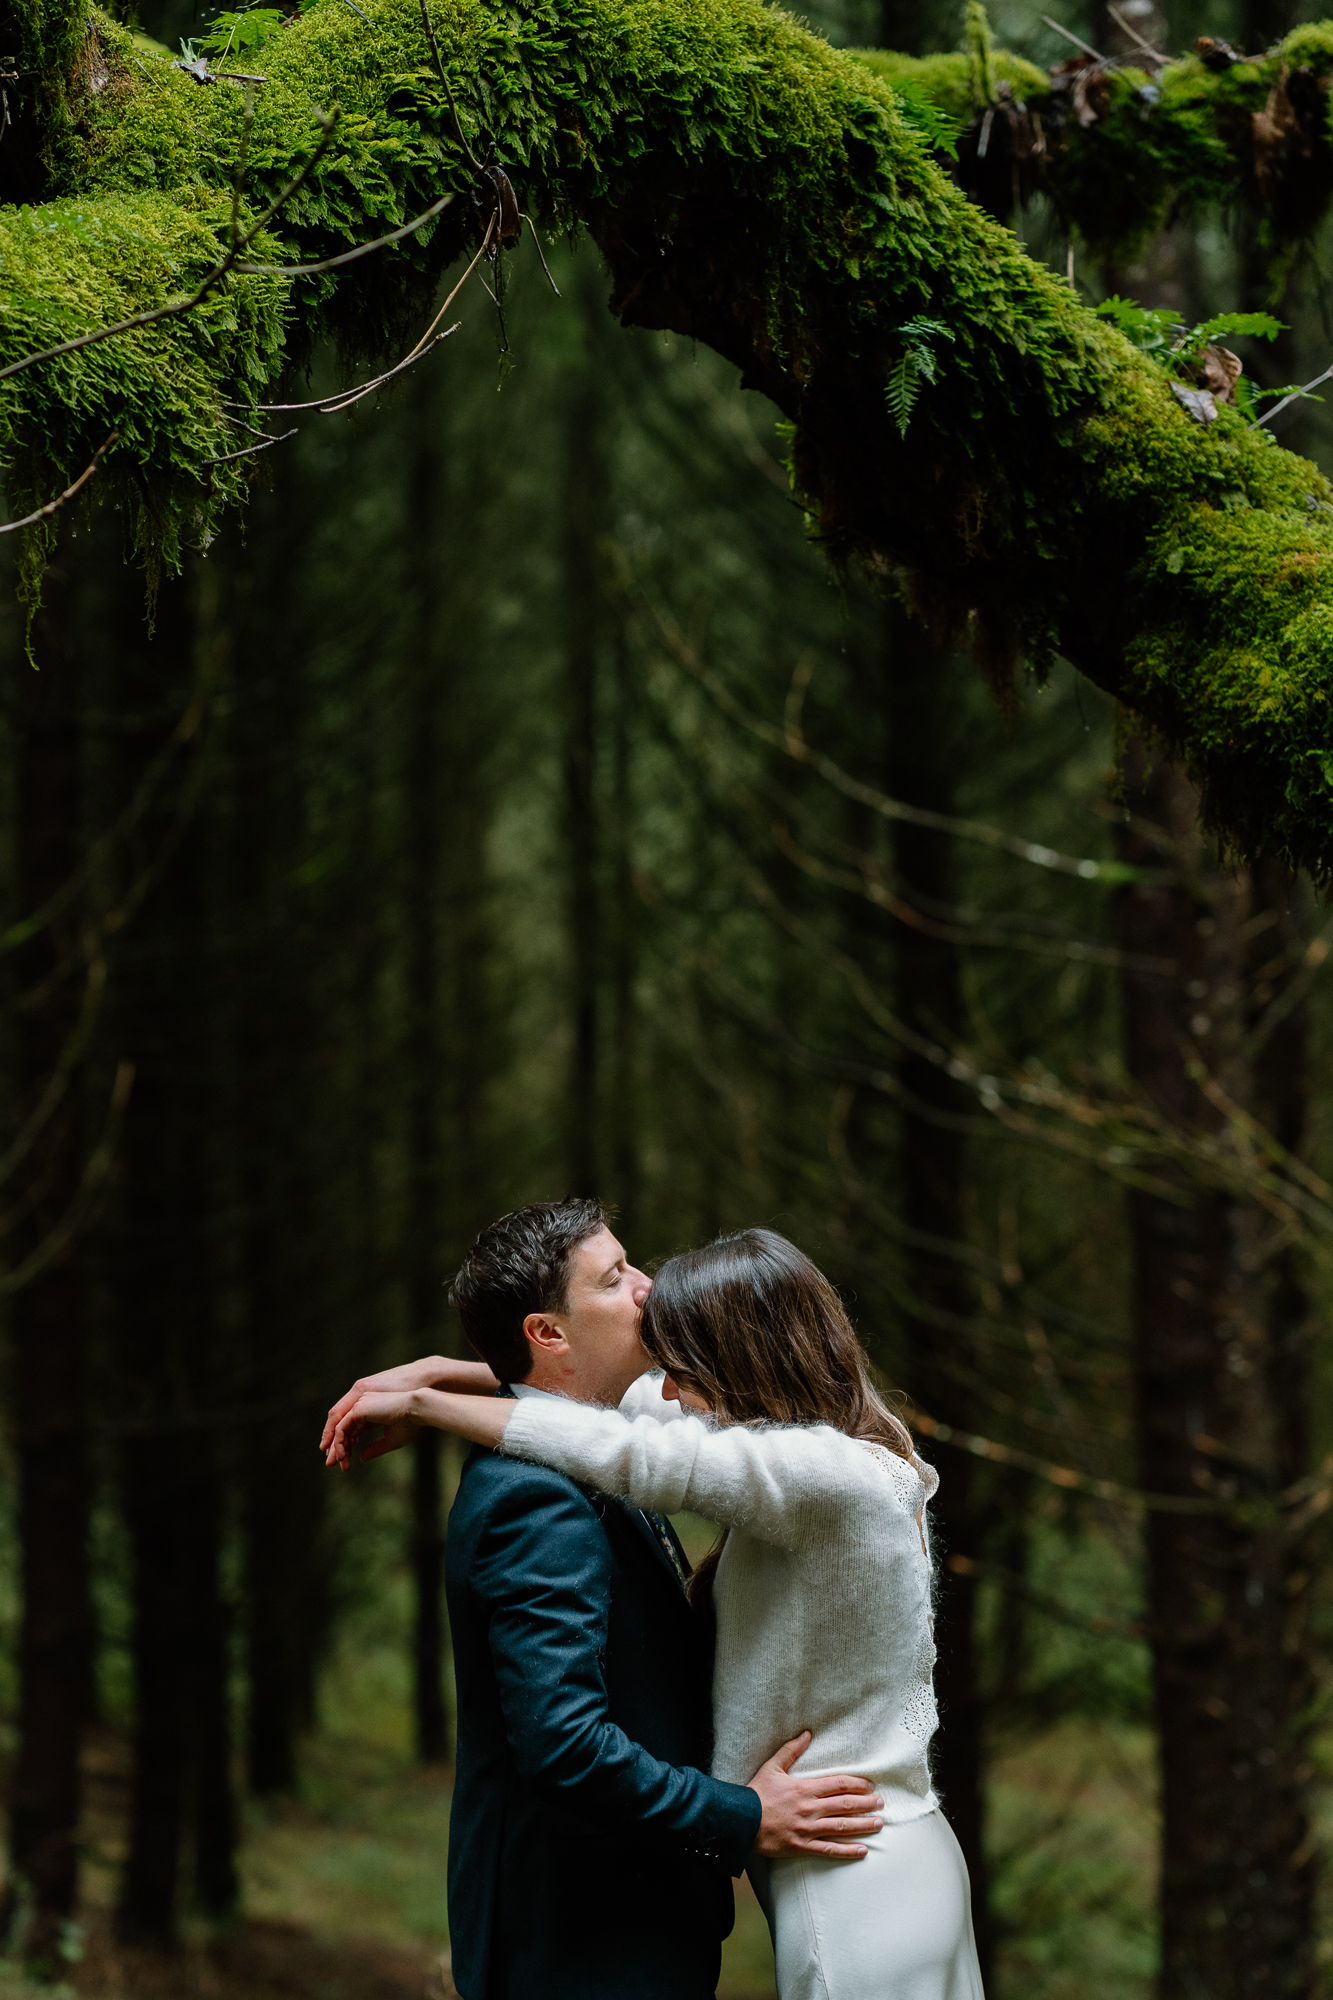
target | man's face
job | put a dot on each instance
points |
(589, 1347)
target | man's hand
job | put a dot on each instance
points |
(387, 1410)
(433, 1371)
(812, 1815)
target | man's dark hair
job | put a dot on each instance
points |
(520, 1265)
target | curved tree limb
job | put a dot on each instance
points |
(755, 189)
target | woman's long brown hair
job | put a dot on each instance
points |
(757, 1330)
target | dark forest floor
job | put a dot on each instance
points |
(343, 1889)
(264, 1960)
(344, 1885)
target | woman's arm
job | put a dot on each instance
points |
(399, 1413)
(765, 1481)
(433, 1371)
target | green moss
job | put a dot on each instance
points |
(754, 188)
(1182, 139)
(74, 263)
(949, 81)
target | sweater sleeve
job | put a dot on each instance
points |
(644, 1398)
(768, 1482)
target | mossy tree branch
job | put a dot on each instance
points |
(753, 188)
(1120, 150)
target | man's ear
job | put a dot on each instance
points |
(544, 1334)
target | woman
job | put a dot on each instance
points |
(766, 1422)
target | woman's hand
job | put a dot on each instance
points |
(389, 1410)
(433, 1371)
(400, 1413)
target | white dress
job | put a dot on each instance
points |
(823, 1611)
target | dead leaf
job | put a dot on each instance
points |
(1221, 369)
(1084, 79)
(1215, 54)
(1199, 402)
(1289, 126)
(1027, 140)
(1273, 127)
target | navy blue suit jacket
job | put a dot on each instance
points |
(590, 1854)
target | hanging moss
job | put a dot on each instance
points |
(776, 198)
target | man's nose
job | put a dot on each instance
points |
(642, 1284)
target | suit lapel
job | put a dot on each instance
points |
(650, 1534)
(639, 1532)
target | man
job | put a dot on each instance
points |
(590, 1853)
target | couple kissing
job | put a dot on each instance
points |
(632, 1735)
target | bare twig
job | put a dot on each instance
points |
(329, 406)
(468, 153)
(248, 451)
(350, 256)
(1134, 35)
(176, 307)
(94, 1173)
(338, 399)
(1294, 397)
(795, 745)
(1065, 1475)
(54, 506)
(491, 228)
(356, 10)
(1016, 1585)
(202, 72)
(1070, 37)
(57, 1083)
(104, 844)
(540, 252)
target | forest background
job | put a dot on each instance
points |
(505, 808)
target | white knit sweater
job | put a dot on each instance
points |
(823, 1590)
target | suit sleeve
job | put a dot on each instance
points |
(543, 1569)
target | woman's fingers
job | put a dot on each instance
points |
(339, 1411)
(373, 1409)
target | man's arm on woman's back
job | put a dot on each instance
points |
(542, 1567)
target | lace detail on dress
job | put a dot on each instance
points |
(914, 1481)
(920, 1715)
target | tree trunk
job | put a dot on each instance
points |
(48, 1323)
(428, 1057)
(582, 524)
(922, 710)
(168, 1342)
(921, 771)
(1222, 1385)
(289, 1143)
(430, 1636)
(623, 1147)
